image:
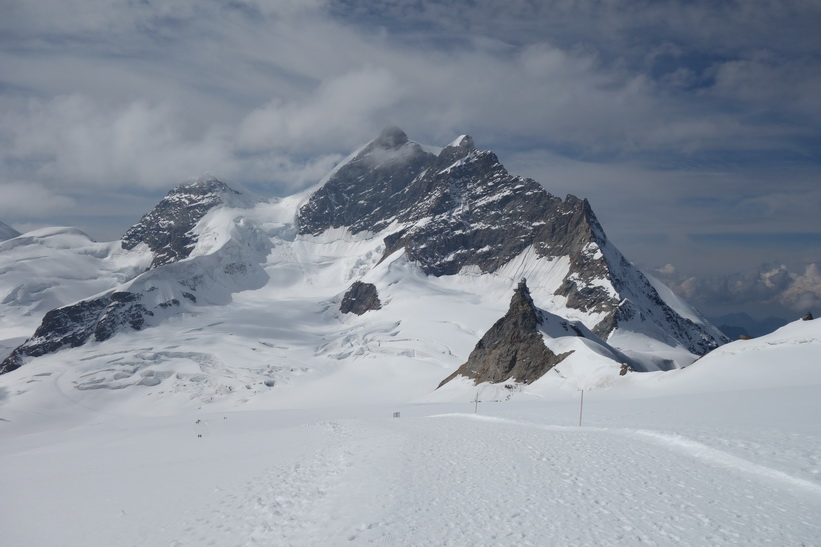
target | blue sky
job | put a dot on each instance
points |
(693, 127)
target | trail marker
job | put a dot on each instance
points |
(581, 409)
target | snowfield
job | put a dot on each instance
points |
(247, 409)
(724, 452)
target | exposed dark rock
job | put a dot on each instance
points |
(513, 348)
(69, 326)
(462, 208)
(625, 368)
(166, 229)
(807, 317)
(74, 325)
(361, 297)
(124, 309)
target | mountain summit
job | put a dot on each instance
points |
(166, 229)
(390, 270)
(461, 209)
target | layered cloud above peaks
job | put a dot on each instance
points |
(767, 289)
(663, 107)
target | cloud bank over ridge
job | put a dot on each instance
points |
(702, 117)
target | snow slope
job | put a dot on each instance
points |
(220, 297)
(51, 267)
(265, 329)
(737, 468)
(724, 452)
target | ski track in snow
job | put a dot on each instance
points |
(472, 480)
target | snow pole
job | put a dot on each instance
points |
(581, 409)
(476, 403)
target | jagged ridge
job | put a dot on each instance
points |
(166, 229)
(513, 348)
(462, 208)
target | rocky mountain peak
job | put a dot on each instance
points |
(391, 137)
(459, 148)
(461, 208)
(513, 348)
(166, 228)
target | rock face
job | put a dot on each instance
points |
(461, 208)
(166, 229)
(71, 326)
(360, 298)
(449, 211)
(457, 209)
(513, 348)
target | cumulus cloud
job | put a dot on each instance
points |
(804, 291)
(31, 199)
(71, 140)
(339, 110)
(773, 286)
(667, 269)
(665, 114)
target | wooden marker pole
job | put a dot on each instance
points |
(581, 409)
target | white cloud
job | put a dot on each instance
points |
(770, 286)
(631, 103)
(804, 291)
(341, 110)
(71, 141)
(20, 199)
(667, 269)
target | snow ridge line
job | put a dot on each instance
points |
(672, 441)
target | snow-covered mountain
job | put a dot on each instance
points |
(228, 392)
(385, 274)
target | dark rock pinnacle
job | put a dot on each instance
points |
(513, 348)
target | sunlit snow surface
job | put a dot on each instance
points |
(265, 416)
(725, 452)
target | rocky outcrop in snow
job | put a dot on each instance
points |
(74, 325)
(513, 348)
(360, 298)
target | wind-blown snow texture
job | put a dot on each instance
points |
(670, 458)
